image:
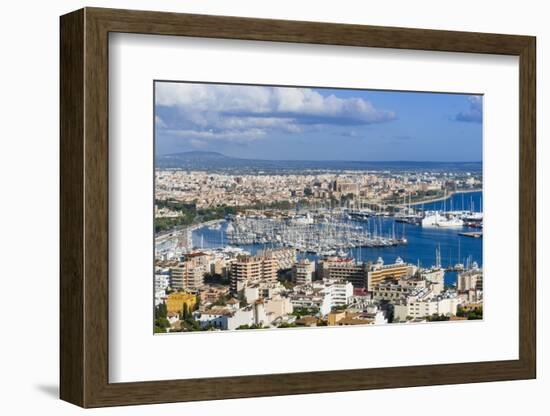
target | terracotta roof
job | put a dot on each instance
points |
(307, 320)
(197, 254)
(354, 321)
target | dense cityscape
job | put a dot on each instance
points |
(292, 207)
(239, 248)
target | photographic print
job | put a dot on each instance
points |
(297, 207)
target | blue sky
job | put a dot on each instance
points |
(289, 123)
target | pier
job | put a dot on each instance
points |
(473, 234)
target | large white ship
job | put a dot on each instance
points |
(450, 222)
(435, 219)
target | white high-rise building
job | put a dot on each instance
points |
(340, 292)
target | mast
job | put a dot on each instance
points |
(438, 256)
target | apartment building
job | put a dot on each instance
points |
(336, 268)
(303, 272)
(248, 268)
(379, 272)
(421, 308)
(470, 280)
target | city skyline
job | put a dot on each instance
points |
(290, 123)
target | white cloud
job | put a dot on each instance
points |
(236, 112)
(474, 114)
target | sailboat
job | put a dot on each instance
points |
(403, 239)
(459, 266)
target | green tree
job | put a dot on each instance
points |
(161, 311)
(435, 317)
(299, 312)
(476, 313)
(161, 320)
(470, 314)
(185, 312)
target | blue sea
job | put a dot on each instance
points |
(464, 201)
(422, 242)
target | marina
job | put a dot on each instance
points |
(422, 243)
(318, 233)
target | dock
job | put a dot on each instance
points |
(473, 234)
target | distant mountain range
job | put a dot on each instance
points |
(201, 160)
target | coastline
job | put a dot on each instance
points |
(443, 198)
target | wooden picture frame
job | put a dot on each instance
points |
(84, 207)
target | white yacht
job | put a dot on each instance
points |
(430, 219)
(434, 219)
(450, 222)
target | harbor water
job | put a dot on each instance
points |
(462, 201)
